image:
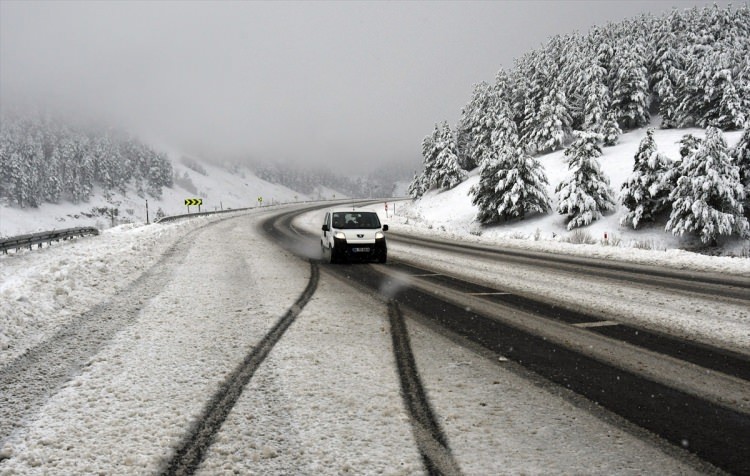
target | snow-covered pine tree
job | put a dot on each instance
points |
(611, 131)
(630, 89)
(595, 98)
(30, 189)
(728, 100)
(505, 130)
(740, 153)
(416, 187)
(645, 193)
(512, 184)
(666, 68)
(552, 124)
(475, 127)
(430, 152)
(716, 90)
(448, 173)
(708, 197)
(587, 193)
(536, 83)
(53, 187)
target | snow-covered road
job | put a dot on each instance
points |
(325, 401)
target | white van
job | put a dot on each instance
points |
(353, 235)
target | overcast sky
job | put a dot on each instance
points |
(355, 83)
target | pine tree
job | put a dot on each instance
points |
(645, 194)
(416, 187)
(430, 152)
(727, 103)
(586, 194)
(447, 173)
(740, 153)
(666, 69)
(552, 123)
(511, 185)
(536, 83)
(595, 99)
(611, 131)
(475, 127)
(708, 197)
(630, 88)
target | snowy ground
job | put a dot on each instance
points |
(325, 401)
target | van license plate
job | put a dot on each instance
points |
(360, 250)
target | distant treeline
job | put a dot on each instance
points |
(310, 180)
(45, 160)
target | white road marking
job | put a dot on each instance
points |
(489, 294)
(596, 324)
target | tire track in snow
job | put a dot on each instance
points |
(432, 443)
(192, 451)
(27, 381)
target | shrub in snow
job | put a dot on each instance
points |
(586, 194)
(580, 237)
(645, 193)
(511, 184)
(708, 197)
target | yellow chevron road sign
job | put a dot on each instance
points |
(193, 201)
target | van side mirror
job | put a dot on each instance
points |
(385, 227)
(325, 227)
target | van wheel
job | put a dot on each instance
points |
(332, 256)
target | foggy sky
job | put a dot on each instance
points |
(357, 84)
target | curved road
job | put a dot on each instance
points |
(693, 394)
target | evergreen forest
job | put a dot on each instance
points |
(580, 92)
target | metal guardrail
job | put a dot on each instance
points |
(28, 241)
(200, 214)
(230, 210)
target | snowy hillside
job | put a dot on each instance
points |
(218, 188)
(451, 211)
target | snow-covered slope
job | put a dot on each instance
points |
(219, 189)
(452, 212)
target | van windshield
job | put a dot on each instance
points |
(351, 220)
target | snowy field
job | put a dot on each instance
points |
(325, 401)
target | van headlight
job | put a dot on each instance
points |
(339, 235)
(379, 235)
